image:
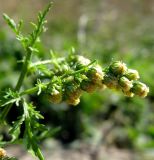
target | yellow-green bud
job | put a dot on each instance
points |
(110, 82)
(132, 74)
(72, 93)
(2, 153)
(140, 89)
(95, 74)
(75, 94)
(88, 86)
(125, 84)
(118, 68)
(55, 96)
(73, 102)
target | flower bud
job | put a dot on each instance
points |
(140, 89)
(75, 94)
(118, 68)
(2, 153)
(88, 86)
(95, 74)
(73, 97)
(72, 91)
(81, 62)
(55, 96)
(73, 102)
(110, 82)
(132, 74)
(125, 83)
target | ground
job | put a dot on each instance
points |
(52, 149)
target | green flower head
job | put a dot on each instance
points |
(118, 68)
(140, 89)
(125, 83)
(132, 74)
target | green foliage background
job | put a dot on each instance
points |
(104, 30)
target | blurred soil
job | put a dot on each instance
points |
(52, 149)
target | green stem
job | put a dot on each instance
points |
(33, 90)
(19, 83)
(45, 62)
(29, 91)
(27, 60)
(39, 154)
(24, 70)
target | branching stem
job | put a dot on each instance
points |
(27, 59)
(19, 83)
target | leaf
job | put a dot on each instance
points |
(15, 130)
(19, 26)
(34, 25)
(33, 49)
(40, 86)
(30, 134)
(15, 100)
(39, 26)
(10, 22)
(49, 133)
(9, 97)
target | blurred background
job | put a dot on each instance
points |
(105, 125)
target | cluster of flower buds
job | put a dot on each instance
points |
(80, 74)
(2, 153)
(118, 76)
